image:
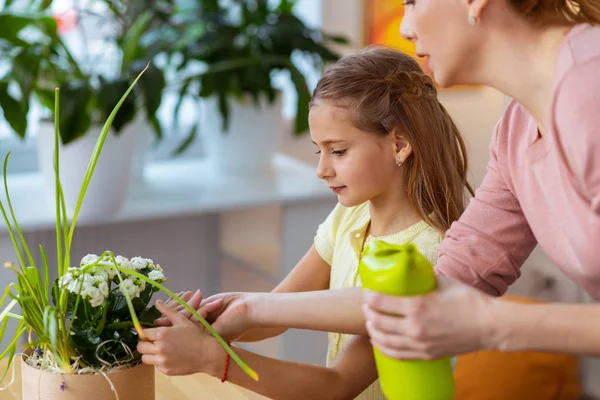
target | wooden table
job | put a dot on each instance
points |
(200, 386)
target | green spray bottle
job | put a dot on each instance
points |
(403, 271)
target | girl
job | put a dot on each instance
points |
(397, 163)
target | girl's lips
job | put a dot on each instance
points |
(337, 189)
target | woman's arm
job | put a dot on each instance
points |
(486, 247)
(555, 327)
(458, 319)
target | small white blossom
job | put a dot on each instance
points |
(157, 267)
(123, 262)
(139, 263)
(90, 258)
(127, 286)
(103, 288)
(157, 276)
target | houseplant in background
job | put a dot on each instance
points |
(240, 46)
(41, 59)
(88, 321)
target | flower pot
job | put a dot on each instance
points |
(247, 147)
(135, 383)
(108, 187)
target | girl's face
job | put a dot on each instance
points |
(442, 34)
(358, 166)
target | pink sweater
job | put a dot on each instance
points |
(539, 190)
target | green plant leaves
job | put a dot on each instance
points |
(74, 119)
(13, 111)
(108, 95)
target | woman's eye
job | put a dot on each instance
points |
(409, 3)
(338, 152)
(318, 152)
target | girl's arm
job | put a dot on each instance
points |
(352, 372)
(183, 348)
(336, 310)
(310, 274)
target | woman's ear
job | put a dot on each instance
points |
(403, 147)
(475, 9)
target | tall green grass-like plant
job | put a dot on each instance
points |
(79, 320)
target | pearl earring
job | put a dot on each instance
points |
(399, 161)
(472, 18)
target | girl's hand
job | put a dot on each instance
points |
(230, 313)
(182, 348)
(194, 300)
(455, 319)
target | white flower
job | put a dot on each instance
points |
(123, 262)
(139, 263)
(90, 258)
(65, 280)
(157, 267)
(127, 286)
(95, 296)
(103, 288)
(157, 276)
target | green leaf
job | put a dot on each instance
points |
(109, 95)
(188, 140)
(13, 111)
(302, 101)
(74, 119)
(152, 88)
(131, 40)
(149, 316)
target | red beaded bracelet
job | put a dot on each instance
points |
(226, 369)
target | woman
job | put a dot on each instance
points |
(542, 185)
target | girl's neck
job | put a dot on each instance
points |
(390, 216)
(522, 65)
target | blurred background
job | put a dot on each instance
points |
(209, 169)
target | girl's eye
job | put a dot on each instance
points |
(318, 152)
(409, 3)
(338, 152)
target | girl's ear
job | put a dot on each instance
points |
(403, 147)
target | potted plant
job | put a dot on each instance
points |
(41, 60)
(240, 45)
(88, 321)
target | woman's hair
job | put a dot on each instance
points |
(558, 12)
(386, 91)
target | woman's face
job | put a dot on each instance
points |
(442, 33)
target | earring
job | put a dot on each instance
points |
(399, 161)
(473, 20)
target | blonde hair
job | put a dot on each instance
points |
(558, 12)
(387, 91)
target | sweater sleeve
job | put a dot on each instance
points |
(577, 119)
(486, 247)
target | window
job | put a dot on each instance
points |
(24, 157)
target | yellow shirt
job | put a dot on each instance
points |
(339, 241)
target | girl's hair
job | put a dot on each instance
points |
(558, 12)
(386, 91)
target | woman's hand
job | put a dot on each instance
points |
(182, 347)
(455, 319)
